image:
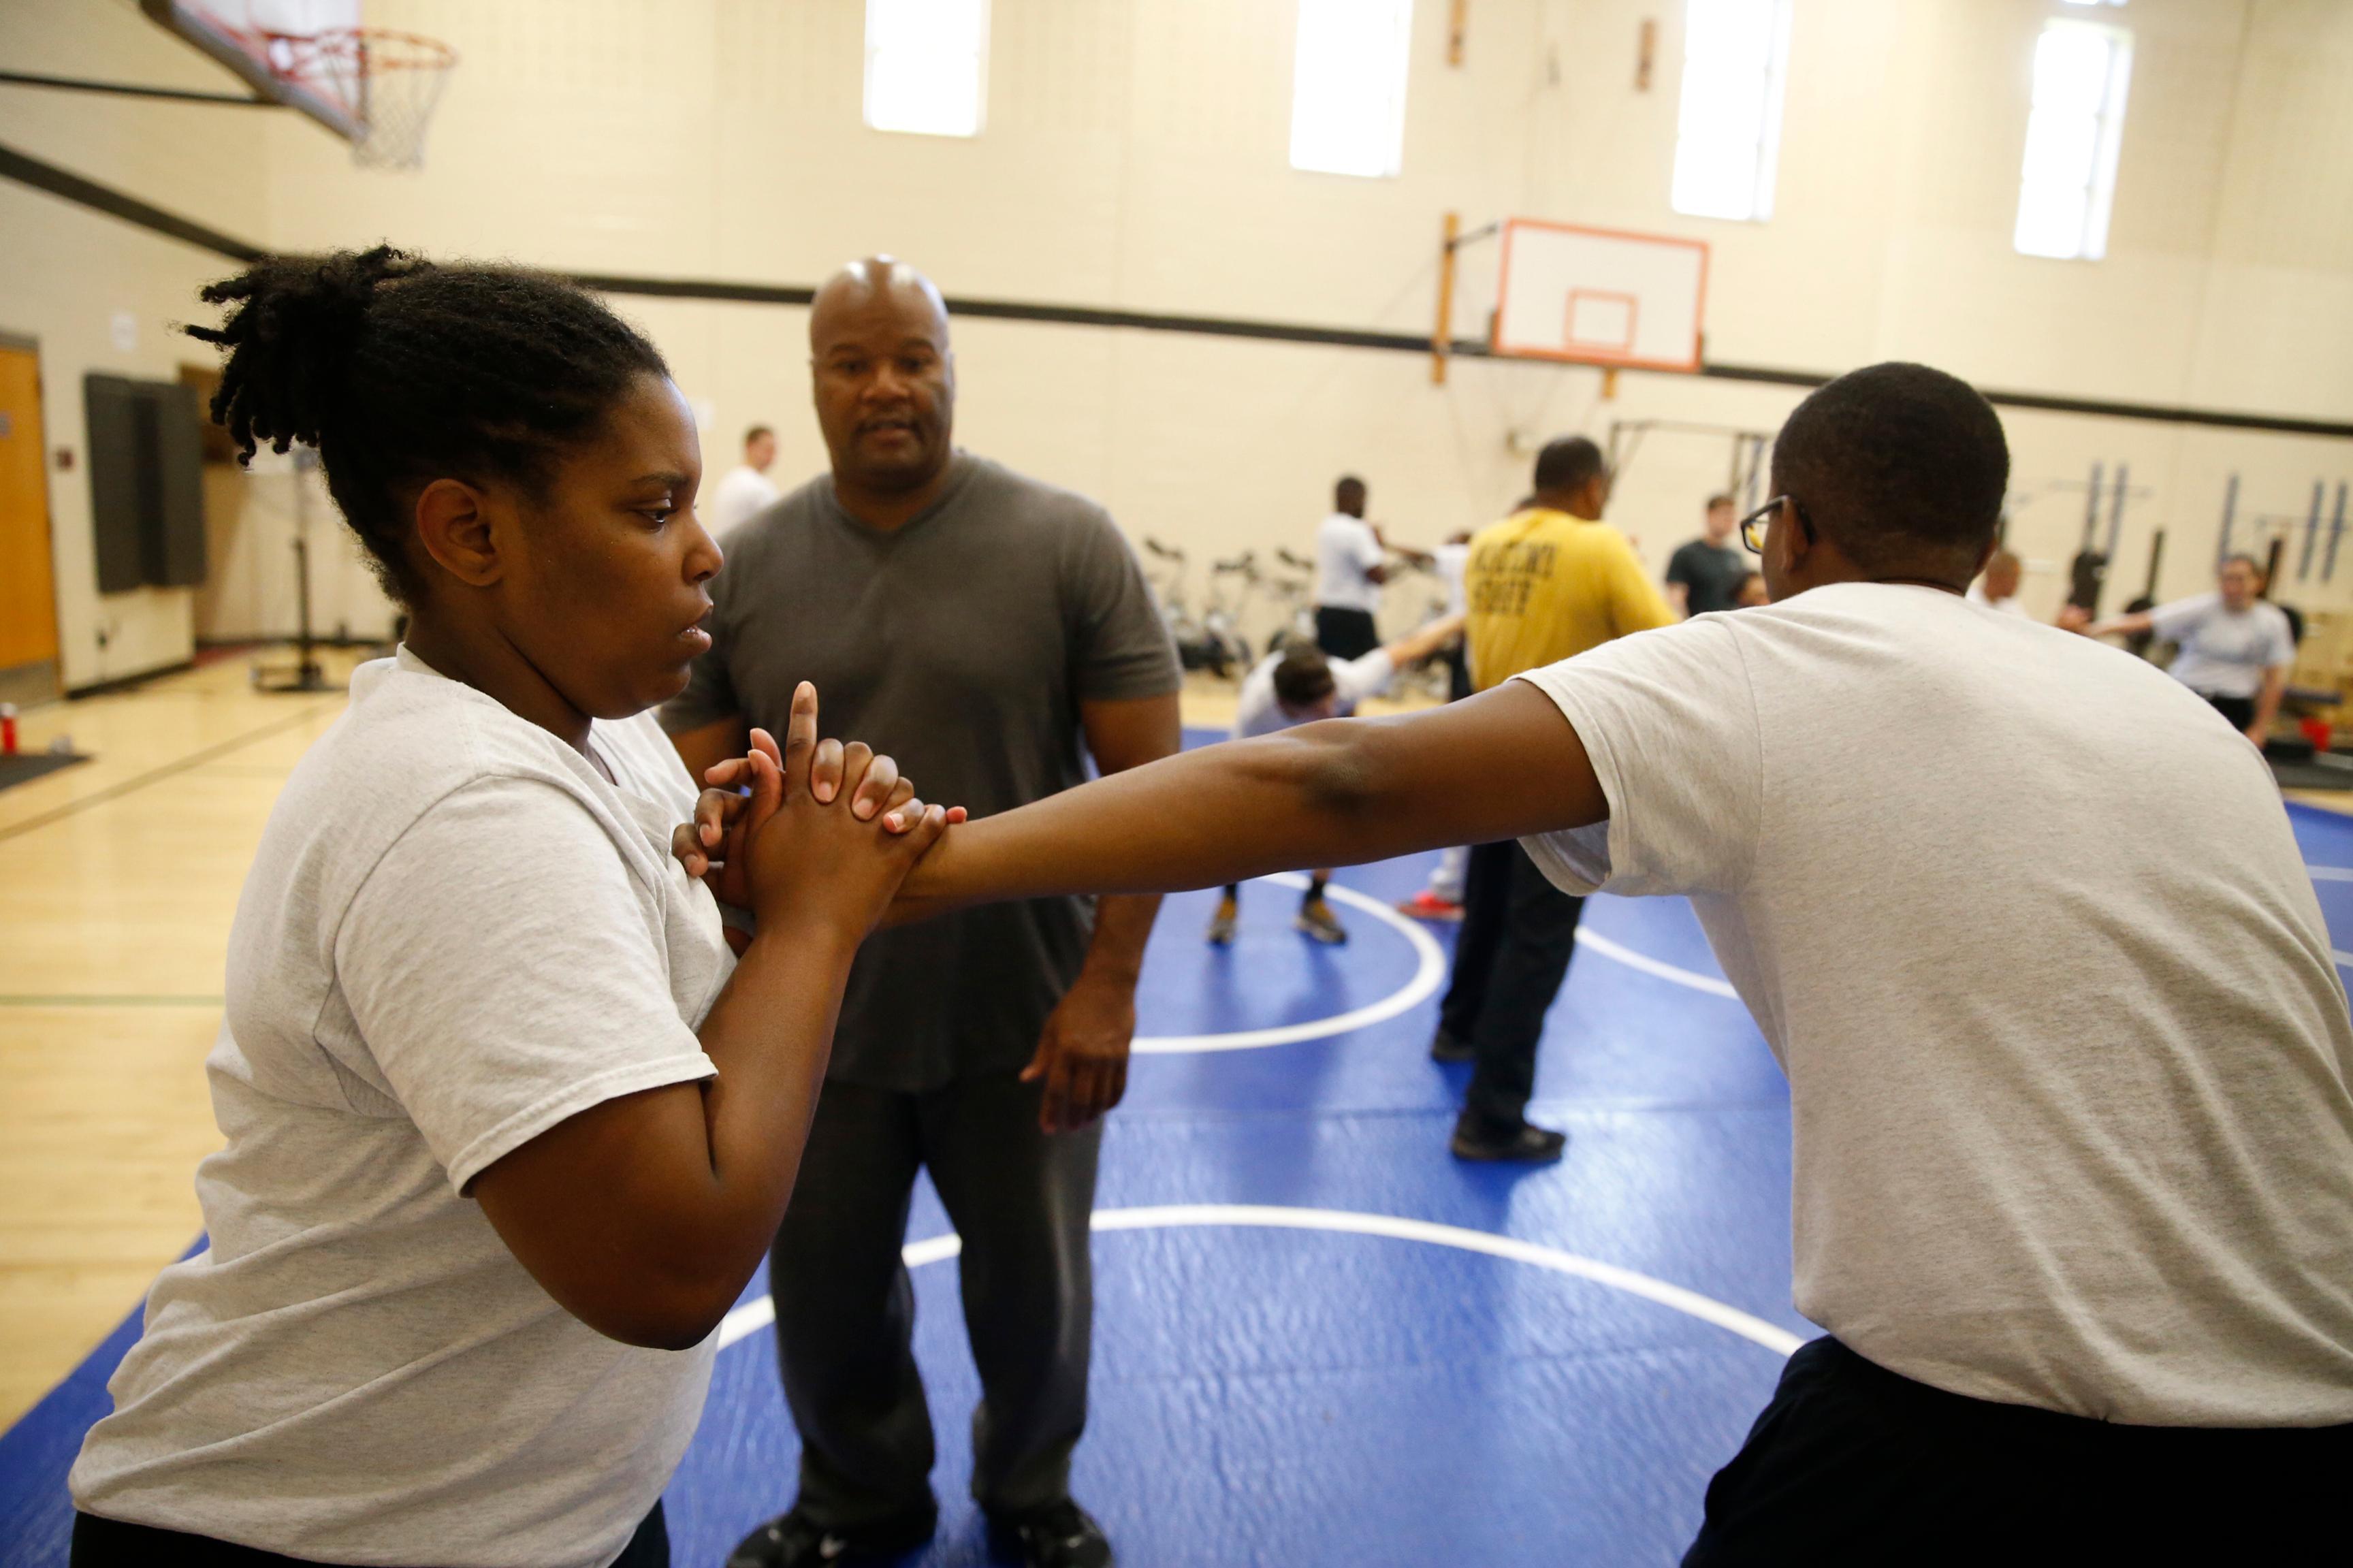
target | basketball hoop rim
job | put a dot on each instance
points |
(431, 54)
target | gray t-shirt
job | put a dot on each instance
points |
(2027, 927)
(2224, 652)
(455, 934)
(962, 644)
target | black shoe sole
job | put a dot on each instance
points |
(1513, 1152)
(1446, 1048)
(881, 1542)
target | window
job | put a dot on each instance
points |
(1347, 87)
(2081, 71)
(1728, 127)
(927, 66)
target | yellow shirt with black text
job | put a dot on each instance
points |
(1543, 586)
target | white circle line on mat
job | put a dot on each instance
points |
(1652, 966)
(1430, 972)
(753, 1316)
(2330, 873)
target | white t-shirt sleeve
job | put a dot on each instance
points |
(1670, 723)
(2176, 621)
(1255, 712)
(507, 971)
(2277, 647)
(1354, 679)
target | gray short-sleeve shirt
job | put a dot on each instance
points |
(962, 644)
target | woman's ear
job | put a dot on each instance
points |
(453, 528)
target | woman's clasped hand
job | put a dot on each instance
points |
(819, 833)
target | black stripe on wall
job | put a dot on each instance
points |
(33, 171)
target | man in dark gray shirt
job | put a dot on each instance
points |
(1706, 574)
(980, 626)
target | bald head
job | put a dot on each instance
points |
(879, 282)
(885, 382)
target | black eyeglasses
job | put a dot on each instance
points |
(1753, 526)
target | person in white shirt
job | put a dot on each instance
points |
(482, 1205)
(2026, 925)
(1351, 566)
(744, 491)
(1997, 587)
(2232, 646)
(1300, 685)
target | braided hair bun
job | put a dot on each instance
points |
(400, 370)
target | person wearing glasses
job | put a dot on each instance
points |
(2082, 1272)
(1545, 584)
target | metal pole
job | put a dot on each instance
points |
(2336, 533)
(2116, 511)
(2230, 510)
(2092, 505)
(2311, 531)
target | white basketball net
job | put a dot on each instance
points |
(389, 82)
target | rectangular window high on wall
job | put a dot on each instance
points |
(1728, 126)
(927, 66)
(2072, 134)
(1347, 87)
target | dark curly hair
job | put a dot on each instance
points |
(400, 370)
(1902, 464)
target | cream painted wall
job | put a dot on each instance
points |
(1135, 157)
(66, 273)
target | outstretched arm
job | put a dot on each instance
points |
(2129, 626)
(1407, 651)
(1499, 766)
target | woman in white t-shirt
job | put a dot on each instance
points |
(2231, 648)
(508, 1126)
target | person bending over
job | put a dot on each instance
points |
(508, 1126)
(2085, 1272)
(1298, 686)
(2234, 646)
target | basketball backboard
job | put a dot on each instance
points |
(245, 35)
(1600, 296)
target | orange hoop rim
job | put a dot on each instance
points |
(303, 50)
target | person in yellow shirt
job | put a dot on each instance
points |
(1545, 584)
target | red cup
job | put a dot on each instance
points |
(7, 729)
(2318, 732)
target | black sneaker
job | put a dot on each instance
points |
(796, 1541)
(1446, 1046)
(1060, 1535)
(1525, 1145)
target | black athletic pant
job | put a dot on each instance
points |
(2238, 710)
(1851, 1463)
(111, 1543)
(1020, 1199)
(1519, 932)
(1346, 634)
